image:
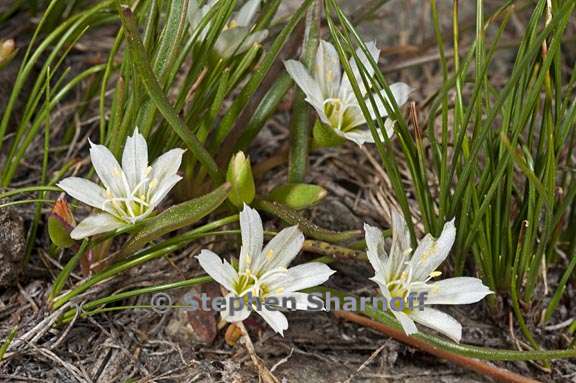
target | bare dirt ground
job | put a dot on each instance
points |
(150, 346)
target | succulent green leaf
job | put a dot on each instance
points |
(298, 196)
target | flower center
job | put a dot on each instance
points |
(258, 287)
(402, 286)
(340, 114)
(132, 203)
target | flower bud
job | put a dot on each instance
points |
(6, 48)
(239, 175)
(61, 222)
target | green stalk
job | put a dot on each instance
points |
(294, 218)
(69, 315)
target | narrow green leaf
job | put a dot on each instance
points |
(142, 64)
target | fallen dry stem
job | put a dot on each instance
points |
(497, 373)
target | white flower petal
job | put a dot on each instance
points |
(163, 189)
(431, 253)
(407, 324)
(166, 165)
(399, 90)
(135, 159)
(275, 280)
(301, 300)
(327, 69)
(400, 248)
(307, 84)
(439, 321)
(247, 12)
(229, 41)
(194, 14)
(108, 169)
(376, 251)
(238, 40)
(252, 237)
(280, 251)
(374, 53)
(84, 191)
(275, 319)
(363, 135)
(346, 87)
(251, 40)
(219, 269)
(238, 315)
(358, 136)
(95, 224)
(457, 291)
(307, 275)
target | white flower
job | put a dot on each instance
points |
(329, 91)
(400, 273)
(264, 273)
(131, 191)
(237, 36)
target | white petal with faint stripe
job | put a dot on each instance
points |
(135, 159)
(307, 84)
(457, 291)
(83, 190)
(252, 237)
(108, 169)
(275, 319)
(281, 250)
(327, 69)
(430, 253)
(247, 12)
(95, 224)
(439, 321)
(308, 275)
(220, 270)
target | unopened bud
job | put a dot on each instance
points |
(239, 175)
(7, 48)
(61, 222)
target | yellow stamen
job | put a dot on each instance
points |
(435, 274)
(153, 184)
(269, 254)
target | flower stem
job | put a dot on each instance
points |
(310, 229)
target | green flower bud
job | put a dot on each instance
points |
(239, 175)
